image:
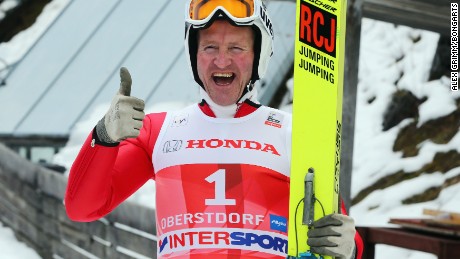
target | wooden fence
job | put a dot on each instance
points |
(31, 203)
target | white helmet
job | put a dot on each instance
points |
(202, 13)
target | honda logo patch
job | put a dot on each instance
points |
(172, 146)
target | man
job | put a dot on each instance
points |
(221, 169)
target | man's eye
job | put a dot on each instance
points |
(210, 47)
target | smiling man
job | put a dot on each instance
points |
(224, 61)
(221, 167)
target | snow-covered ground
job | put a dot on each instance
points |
(11, 248)
(382, 47)
(12, 51)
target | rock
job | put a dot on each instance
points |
(404, 105)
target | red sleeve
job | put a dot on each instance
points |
(102, 177)
(358, 240)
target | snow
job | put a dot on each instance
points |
(387, 53)
(391, 58)
(433, 108)
(12, 51)
(7, 5)
(11, 248)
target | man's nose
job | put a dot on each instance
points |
(222, 59)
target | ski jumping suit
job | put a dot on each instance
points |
(222, 185)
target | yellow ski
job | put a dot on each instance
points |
(317, 117)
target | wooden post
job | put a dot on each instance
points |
(352, 43)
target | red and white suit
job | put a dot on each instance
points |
(222, 184)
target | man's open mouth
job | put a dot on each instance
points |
(223, 78)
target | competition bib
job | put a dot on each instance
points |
(222, 185)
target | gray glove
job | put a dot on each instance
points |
(124, 118)
(333, 235)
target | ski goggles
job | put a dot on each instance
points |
(200, 12)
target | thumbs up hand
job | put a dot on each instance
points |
(124, 118)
